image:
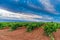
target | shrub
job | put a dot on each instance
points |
(49, 28)
(15, 26)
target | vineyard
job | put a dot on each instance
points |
(48, 27)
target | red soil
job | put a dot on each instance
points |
(21, 34)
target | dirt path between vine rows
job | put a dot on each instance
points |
(21, 34)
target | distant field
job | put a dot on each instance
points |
(49, 27)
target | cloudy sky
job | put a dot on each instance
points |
(30, 10)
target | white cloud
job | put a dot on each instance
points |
(48, 6)
(33, 6)
(18, 16)
(48, 17)
(4, 14)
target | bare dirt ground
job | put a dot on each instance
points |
(21, 34)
